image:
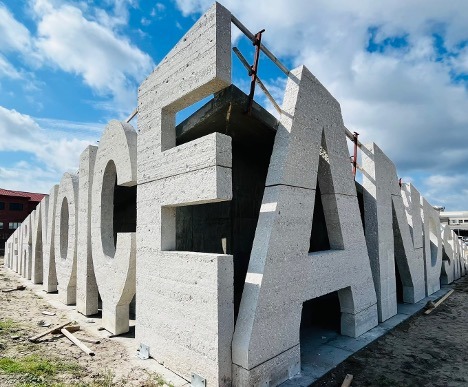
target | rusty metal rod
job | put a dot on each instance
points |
(258, 80)
(265, 50)
(131, 116)
(355, 140)
(257, 42)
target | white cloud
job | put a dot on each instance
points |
(54, 151)
(401, 96)
(7, 70)
(13, 35)
(450, 191)
(108, 63)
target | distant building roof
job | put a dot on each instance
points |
(32, 196)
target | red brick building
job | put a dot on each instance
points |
(15, 206)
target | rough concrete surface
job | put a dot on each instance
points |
(277, 281)
(114, 260)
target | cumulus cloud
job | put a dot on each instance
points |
(54, 151)
(395, 67)
(108, 63)
(14, 36)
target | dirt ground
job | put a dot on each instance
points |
(54, 360)
(425, 350)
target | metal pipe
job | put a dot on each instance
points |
(257, 42)
(355, 140)
(131, 116)
(258, 80)
(266, 51)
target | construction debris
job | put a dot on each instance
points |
(347, 380)
(428, 311)
(35, 338)
(77, 342)
(19, 287)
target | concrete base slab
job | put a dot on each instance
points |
(322, 349)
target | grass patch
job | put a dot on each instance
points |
(34, 370)
(7, 326)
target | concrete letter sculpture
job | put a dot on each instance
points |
(66, 222)
(192, 291)
(282, 274)
(87, 292)
(114, 260)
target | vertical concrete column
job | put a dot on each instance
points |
(432, 247)
(66, 222)
(26, 227)
(49, 276)
(15, 250)
(448, 257)
(386, 222)
(194, 291)
(7, 258)
(456, 255)
(20, 250)
(464, 262)
(310, 145)
(38, 240)
(458, 272)
(87, 292)
(114, 261)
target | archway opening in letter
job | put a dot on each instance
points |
(64, 223)
(320, 323)
(319, 235)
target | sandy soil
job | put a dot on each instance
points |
(115, 362)
(425, 350)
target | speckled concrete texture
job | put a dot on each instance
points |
(432, 247)
(66, 226)
(49, 276)
(187, 317)
(87, 292)
(386, 220)
(114, 261)
(38, 240)
(448, 256)
(282, 273)
(26, 243)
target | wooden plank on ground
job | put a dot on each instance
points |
(78, 343)
(35, 338)
(347, 380)
(436, 304)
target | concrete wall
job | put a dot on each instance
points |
(231, 230)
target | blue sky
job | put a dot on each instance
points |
(398, 69)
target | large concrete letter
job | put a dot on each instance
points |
(49, 278)
(87, 291)
(38, 240)
(388, 234)
(184, 299)
(26, 228)
(114, 260)
(66, 221)
(449, 263)
(432, 248)
(282, 274)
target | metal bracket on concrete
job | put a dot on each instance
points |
(197, 381)
(143, 351)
